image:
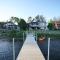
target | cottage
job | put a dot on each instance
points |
(11, 26)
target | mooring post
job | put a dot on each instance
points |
(36, 37)
(23, 36)
(13, 50)
(48, 48)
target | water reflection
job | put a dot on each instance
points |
(54, 49)
(6, 49)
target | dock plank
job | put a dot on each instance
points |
(30, 50)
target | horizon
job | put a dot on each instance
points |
(26, 8)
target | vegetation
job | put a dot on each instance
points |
(50, 26)
(18, 35)
(37, 18)
(1, 24)
(12, 34)
(14, 19)
(51, 34)
(22, 24)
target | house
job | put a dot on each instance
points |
(11, 26)
(1, 25)
(37, 24)
(56, 24)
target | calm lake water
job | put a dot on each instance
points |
(6, 49)
(54, 49)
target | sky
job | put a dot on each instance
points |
(26, 8)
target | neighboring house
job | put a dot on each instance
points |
(11, 26)
(38, 24)
(1, 25)
(56, 24)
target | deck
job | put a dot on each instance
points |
(30, 50)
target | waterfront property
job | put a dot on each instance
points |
(11, 26)
(38, 23)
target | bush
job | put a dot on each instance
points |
(51, 35)
(12, 33)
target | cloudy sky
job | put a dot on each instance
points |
(26, 8)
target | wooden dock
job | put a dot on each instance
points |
(30, 50)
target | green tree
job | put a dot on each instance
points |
(40, 18)
(14, 19)
(12, 33)
(50, 26)
(22, 24)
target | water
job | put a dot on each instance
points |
(54, 48)
(6, 49)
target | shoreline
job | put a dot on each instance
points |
(11, 39)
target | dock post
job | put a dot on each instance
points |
(13, 50)
(36, 37)
(48, 48)
(23, 36)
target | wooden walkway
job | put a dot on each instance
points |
(30, 50)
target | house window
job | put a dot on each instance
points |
(9, 28)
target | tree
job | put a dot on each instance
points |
(50, 26)
(40, 18)
(12, 33)
(37, 17)
(22, 24)
(14, 19)
(29, 19)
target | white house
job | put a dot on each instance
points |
(11, 26)
(38, 23)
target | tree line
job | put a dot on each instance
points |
(23, 24)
